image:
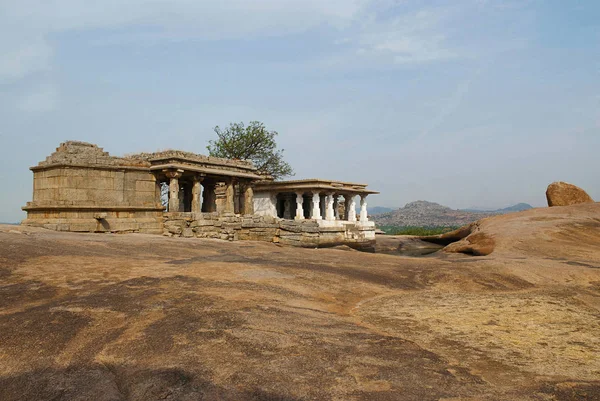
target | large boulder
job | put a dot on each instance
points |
(565, 194)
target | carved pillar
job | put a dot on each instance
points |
(173, 176)
(299, 206)
(363, 209)
(249, 199)
(316, 209)
(237, 199)
(350, 208)
(230, 197)
(221, 197)
(197, 194)
(329, 213)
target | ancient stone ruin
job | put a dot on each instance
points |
(82, 188)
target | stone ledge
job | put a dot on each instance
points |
(94, 208)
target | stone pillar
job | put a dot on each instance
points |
(336, 212)
(197, 194)
(350, 208)
(157, 199)
(316, 209)
(249, 199)
(329, 213)
(363, 209)
(237, 201)
(173, 176)
(230, 197)
(221, 197)
(287, 207)
(299, 206)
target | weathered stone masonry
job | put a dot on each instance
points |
(82, 188)
(307, 233)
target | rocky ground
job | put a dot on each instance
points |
(140, 317)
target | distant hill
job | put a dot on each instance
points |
(431, 214)
(378, 210)
(519, 207)
(515, 208)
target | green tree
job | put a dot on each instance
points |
(254, 143)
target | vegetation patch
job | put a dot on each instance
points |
(416, 230)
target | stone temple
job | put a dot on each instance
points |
(82, 188)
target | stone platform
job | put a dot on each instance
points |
(304, 233)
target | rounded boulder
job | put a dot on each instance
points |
(565, 194)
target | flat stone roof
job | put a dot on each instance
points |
(88, 155)
(198, 168)
(314, 184)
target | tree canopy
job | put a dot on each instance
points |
(254, 143)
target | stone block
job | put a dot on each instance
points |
(288, 241)
(269, 219)
(206, 223)
(232, 226)
(122, 225)
(310, 235)
(332, 229)
(188, 233)
(205, 229)
(145, 186)
(291, 227)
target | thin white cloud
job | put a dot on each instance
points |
(23, 57)
(405, 36)
(27, 24)
(41, 99)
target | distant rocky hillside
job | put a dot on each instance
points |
(430, 214)
(379, 210)
(515, 208)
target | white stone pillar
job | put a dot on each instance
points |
(351, 208)
(316, 208)
(329, 213)
(299, 206)
(287, 208)
(363, 209)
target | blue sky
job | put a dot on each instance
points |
(466, 103)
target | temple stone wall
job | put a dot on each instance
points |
(264, 204)
(81, 186)
(148, 222)
(306, 233)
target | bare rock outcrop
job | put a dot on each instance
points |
(564, 194)
(469, 240)
(534, 232)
